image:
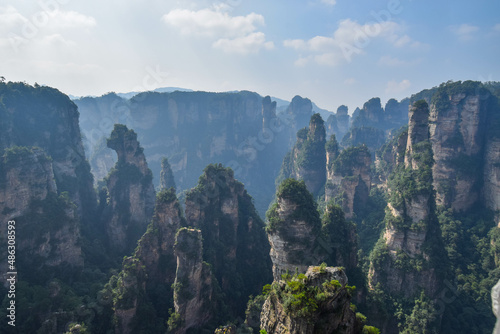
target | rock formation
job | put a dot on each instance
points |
(293, 230)
(233, 257)
(349, 179)
(131, 192)
(402, 259)
(309, 312)
(193, 282)
(47, 225)
(457, 127)
(46, 118)
(307, 160)
(194, 129)
(234, 241)
(343, 121)
(166, 176)
(153, 266)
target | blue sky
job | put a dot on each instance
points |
(332, 51)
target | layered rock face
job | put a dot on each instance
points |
(400, 263)
(464, 119)
(343, 121)
(234, 241)
(228, 237)
(46, 118)
(194, 129)
(193, 281)
(293, 230)
(349, 178)
(47, 225)
(153, 266)
(458, 123)
(332, 314)
(166, 175)
(131, 192)
(307, 160)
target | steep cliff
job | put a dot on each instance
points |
(151, 269)
(47, 226)
(194, 129)
(44, 117)
(307, 160)
(405, 259)
(193, 287)
(234, 241)
(131, 192)
(458, 124)
(317, 302)
(166, 176)
(293, 229)
(349, 179)
(338, 124)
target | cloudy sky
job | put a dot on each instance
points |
(332, 51)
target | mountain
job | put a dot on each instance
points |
(397, 220)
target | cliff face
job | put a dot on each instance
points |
(410, 219)
(194, 129)
(46, 118)
(131, 192)
(307, 160)
(293, 230)
(47, 225)
(153, 266)
(226, 253)
(332, 313)
(458, 124)
(349, 178)
(166, 176)
(234, 241)
(193, 281)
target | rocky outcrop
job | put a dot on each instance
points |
(193, 281)
(458, 122)
(332, 313)
(293, 230)
(47, 224)
(46, 118)
(194, 129)
(411, 238)
(298, 114)
(234, 241)
(343, 121)
(307, 160)
(349, 179)
(131, 192)
(166, 176)
(153, 266)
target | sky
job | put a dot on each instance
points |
(334, 52)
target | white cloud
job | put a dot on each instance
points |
(496, 27)
(394, 87)
(329, 2)
(70, 19)
(350, 39)
(247, 44)
(232, 34)
(464, 31)
(10, 18)
(212, 23)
